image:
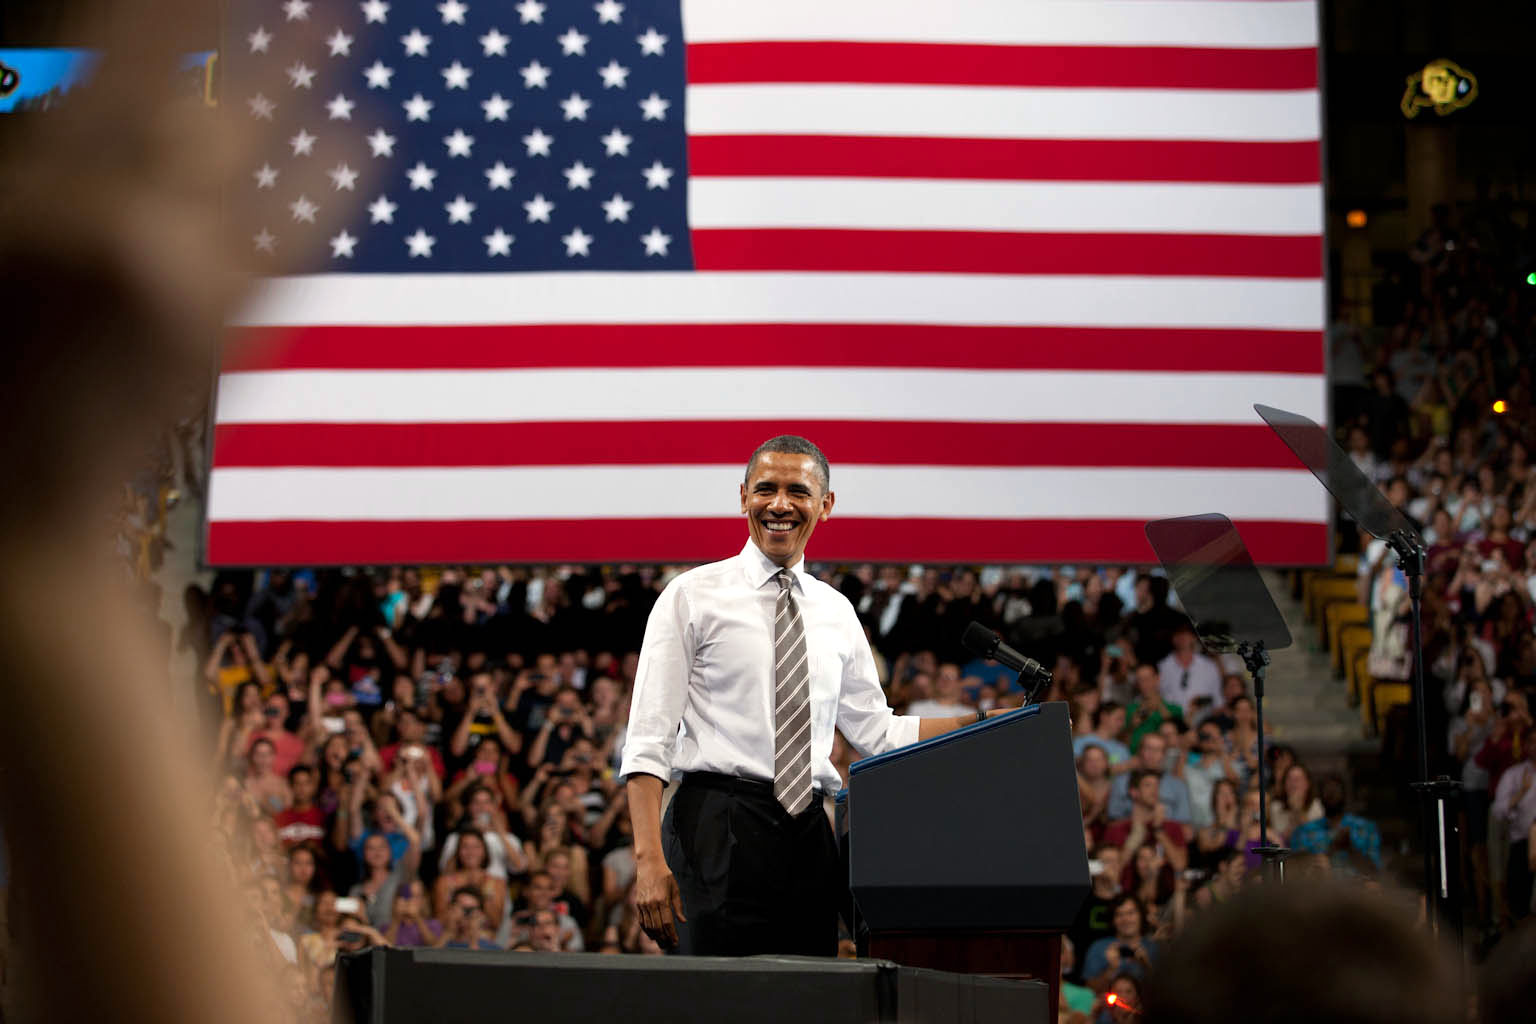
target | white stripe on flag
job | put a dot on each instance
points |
(758, 393)
(976, 112)
(648, 492)
(1071, 22)
(898, 204)
(755, 297)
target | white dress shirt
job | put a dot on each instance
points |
(1180, 685)
(703, 697)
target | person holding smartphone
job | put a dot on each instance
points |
(1126, 951)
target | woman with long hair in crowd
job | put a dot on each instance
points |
(303, 883)
(269, 788)
(1298, 802)
(1223, 833)
(468, 867)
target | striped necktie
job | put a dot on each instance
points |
(792, 701)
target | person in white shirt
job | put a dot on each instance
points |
(1186, 674)
(948, 700)
(745, 861)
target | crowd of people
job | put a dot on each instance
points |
(1435, 404)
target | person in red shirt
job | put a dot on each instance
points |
(287, 749)
(1148, 824)
(302, 822)
(409, 730)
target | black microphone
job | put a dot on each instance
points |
(982, 641)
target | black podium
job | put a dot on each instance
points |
(966, 851)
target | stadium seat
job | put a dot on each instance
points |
(1355, 648)
(1339, 615)
(1326, 592)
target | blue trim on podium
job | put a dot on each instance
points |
(939, 741)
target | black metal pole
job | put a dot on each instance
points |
(1257, 659)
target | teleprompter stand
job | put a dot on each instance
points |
(1209, 567)
(1439, 798)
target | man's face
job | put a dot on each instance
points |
(541, 891)
(1153, 747)
(303, 787)
(783, 501)
(545, 935)
(1113, 723)
(949, 682)
(469, 914)
(1146, 792)
(1147, 681)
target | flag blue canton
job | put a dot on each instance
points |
(465, 136)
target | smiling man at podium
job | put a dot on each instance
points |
(747, 667)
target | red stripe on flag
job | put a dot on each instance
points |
(1257, 163)
(496, 346)
(698, 540)
(1093, 67)
(999, 252)
(634, 443)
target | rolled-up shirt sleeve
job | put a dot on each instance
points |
(661, 686)
(863, 715)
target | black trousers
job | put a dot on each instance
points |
(753, 879)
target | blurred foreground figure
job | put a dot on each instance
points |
(113, 288)
(1323, 954)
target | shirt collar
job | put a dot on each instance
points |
(759, 568)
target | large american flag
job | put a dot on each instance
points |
(1020, 267)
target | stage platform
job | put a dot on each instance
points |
(396, 986)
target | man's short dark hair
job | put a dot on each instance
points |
(468, 890)
(793, 444)
(299, 769)
(1142, 773)
(1107, 708)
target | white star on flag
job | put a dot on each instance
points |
(266, 241)
(652, 44)
(456, 76)
(608, 12)
(452, 12)
(615, 75)
(382, 211)
(266, 176)
(498, 243)
(657, 176)
(575, 107)
(539, 209)
(458, 143)
(382, 143)
(340, 44)
(303, 209)
(531, 11)
(303, 143)
(578, 175)
(496, 107)
(342, 245)
(416, 43)
(261, 107)
(259, 40)
(495, 43)
(655, 242)
(340, 108)
(374, 11)
(577, 243)
(378, 75)
(499, 176)
(617, 208)
(417, 108)
(301, 75)
(573, 43)
(538, 142)
(296, 10)
(616, 143)
(421, 177)
(535, 75)
(343, 177)
(420, 243)
(654, 108)
(459, 210)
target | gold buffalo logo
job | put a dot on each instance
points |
(1442, 85)
(10, 78)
